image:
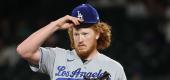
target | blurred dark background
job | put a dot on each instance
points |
(140, 34)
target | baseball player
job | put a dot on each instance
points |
(88, 35)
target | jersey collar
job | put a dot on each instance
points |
(73, 56)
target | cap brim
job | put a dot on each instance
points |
(84, 25)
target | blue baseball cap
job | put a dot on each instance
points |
(87, 13)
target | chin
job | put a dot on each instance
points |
(82, 52)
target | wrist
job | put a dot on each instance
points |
(55, 25)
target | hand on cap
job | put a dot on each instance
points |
(67, 22)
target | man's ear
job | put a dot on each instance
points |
(97, 35)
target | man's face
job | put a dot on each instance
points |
(85, 40)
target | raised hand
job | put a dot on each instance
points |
(67, 22)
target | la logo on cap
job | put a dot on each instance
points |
(80, 16)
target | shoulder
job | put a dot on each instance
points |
(110, 63)
(54, 49)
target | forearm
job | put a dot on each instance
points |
(34, 41)
(29, 48)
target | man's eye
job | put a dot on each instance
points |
(84, 33)
(76, 34)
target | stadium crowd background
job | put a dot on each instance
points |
(140, 34)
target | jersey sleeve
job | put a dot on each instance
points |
(122, 75)
(47, 60)
(116, 70)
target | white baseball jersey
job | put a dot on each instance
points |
(61, 64)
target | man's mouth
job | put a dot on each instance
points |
(81, 45)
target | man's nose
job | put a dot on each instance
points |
(80, 38)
